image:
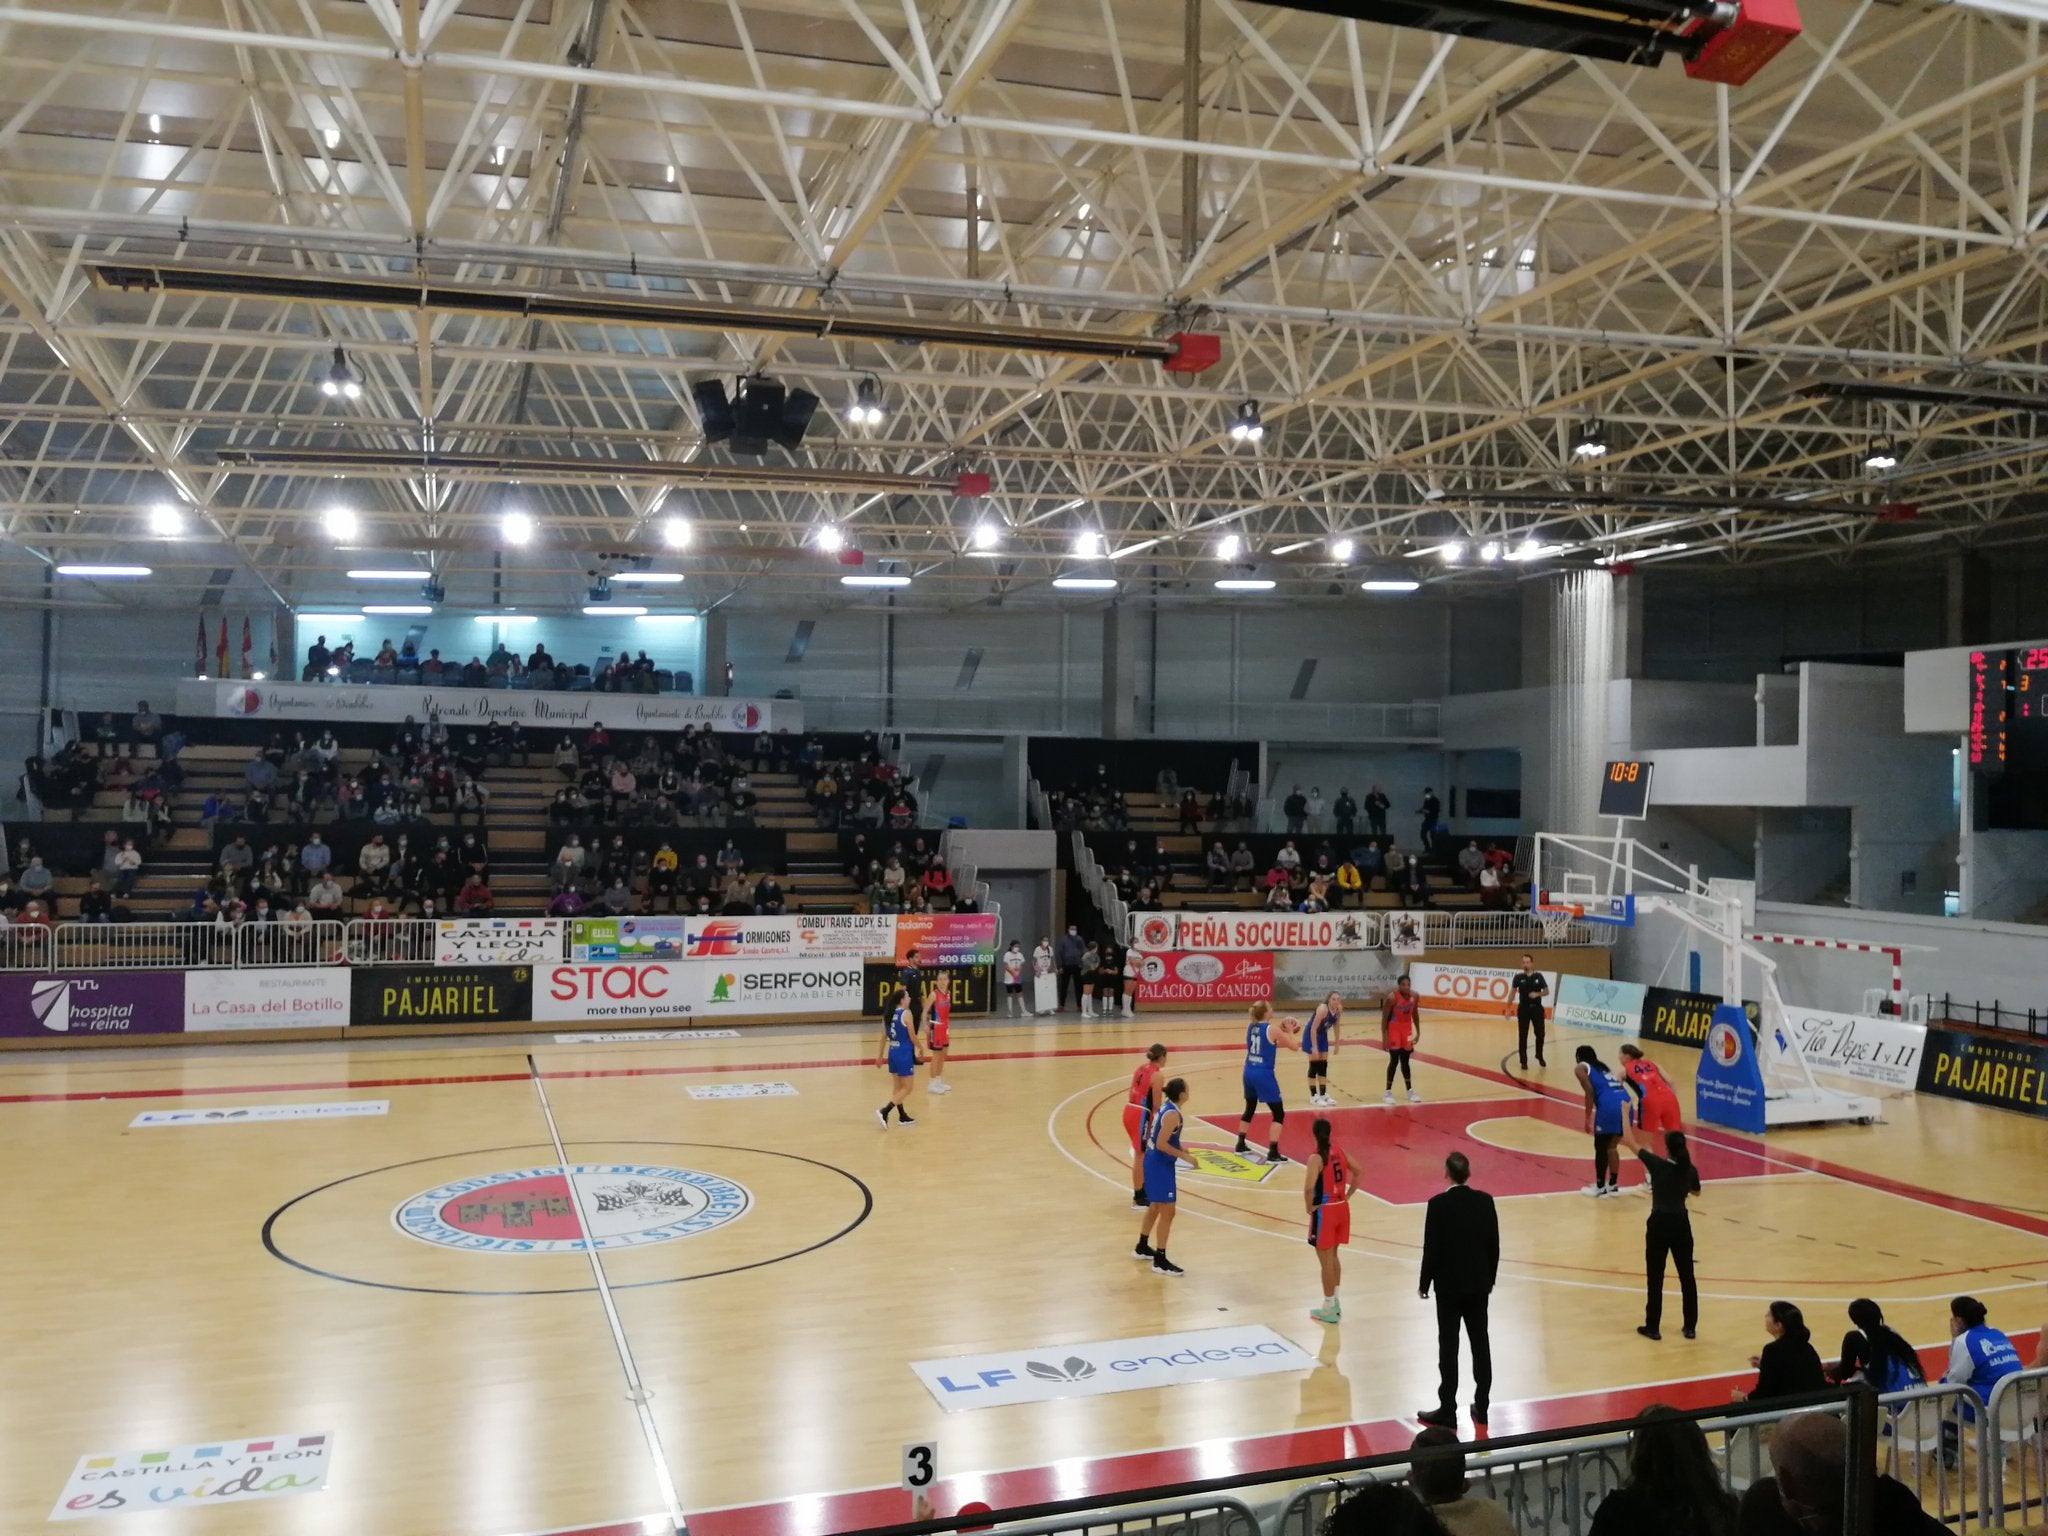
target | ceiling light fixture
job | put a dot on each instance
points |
(614, 611)
(1246, 584)
(1084, 583)
(517, 527)
(342, 381)
(1489, 552)
(1229, 547)
(389, 575)
(506, 618)
(1529, 549)
(830, 539)
(1883, 455)
(675, 532)
(341, 524)
(874, 581)
(156, 122)
(413, 609)
(1591, 443)
(647, 578)
(1087, 543)
(987, 536)
(1343, 550)
(1247, 427)
(332, 138)
(106, 572)
(1390, 584)
(1452, 552)
(866, 410)
(166, 521)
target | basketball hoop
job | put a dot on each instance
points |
(1557, 922)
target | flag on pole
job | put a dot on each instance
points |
(199, 662)
(248, 645)
(273, 648)
(221, 651)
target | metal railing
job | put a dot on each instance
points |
(2013, 1460)
(27, 947)
(1991, 1015)
(393, 941)
(191, 946)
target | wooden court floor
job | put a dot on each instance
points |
(406, 1282)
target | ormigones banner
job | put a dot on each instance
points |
(1677, 1018)
(2003, 1073)
(1256, 930)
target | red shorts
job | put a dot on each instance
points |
(941, 1035)
(1134, 1122)
(1329, 1226)
(1660, 1113)
(1401, 1037)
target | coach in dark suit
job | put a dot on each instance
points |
(1460, 1258)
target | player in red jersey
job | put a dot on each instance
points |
(1400, 1033)
(938, 1030)
(1657, 1100)
(1138, 1112)
(1332, 1180)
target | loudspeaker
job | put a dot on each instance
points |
(759, 416)
(714, 412)
(798, 407)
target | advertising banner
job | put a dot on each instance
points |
(281, 997)
(195, 1477)
(498, 941)
(1590, 1005)
(467, 707)
(626, 938)
(970, 987)
(1730, 1090)
(1154, 930)
(1038, 1375)
(91, 1004)
(850, 935)
(260, 1114)
(1310, 975)
(809, 985)
(1677, 1018)
(1266, 930)
(947, 938)
(1884, 1051)
(1180, 977)
(476, 994)
(622, 989)
(673, 989)
(2005, 1074)
(1468, 988)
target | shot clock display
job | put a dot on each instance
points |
(1625, 790)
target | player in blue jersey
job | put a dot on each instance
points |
(1163, 1156)
(898, 1055)
(1263, 1041)
(1318, 1044)
(1606, 1110)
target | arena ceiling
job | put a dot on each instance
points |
(1433, 264)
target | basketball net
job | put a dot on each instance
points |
(1557, 922)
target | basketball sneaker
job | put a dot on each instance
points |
(903, 1119)
(1162, 1265)
(1329, 1312)
(1390, 1096)
(941, 1086)
(1276, 1156)
(1593, 1190)
(883, 1116)
(1144, 1250)
(1414, 1097)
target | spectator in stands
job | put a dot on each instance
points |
(1068, 953)
(316, 660)
(1377, 805)
(1190, 812)
(1279, 895)
(1789, 1364)
(473, 856)
(938, 882)
(1242, 865)
(316, 858)
(1393, 864)
(1431, 812)
(145, 726)
(127, 868)
(213, 809)
(566, 809)
(663, 876)
(260, 773)
(1315, 806)
(1382, 1509)
(568, 864)
(768, 899)
(1436, 1473)
(471, 800)
(34, 914)
(11, 900)
(237, 859)
(1318, 897)
(1672, 1484)
(1348, 889)
(597, 743)
(325, 897)
(1147, 900)
(1470, 861)
(701, 879)
(617, 899)
(1218, 865)
(386, 659)
(1413, 887)
(567, 761)
(1810, 1457)
(474, 673)
(736, 896)
(1295, 809)
(1493, 891)
(475, 899)
(616, 860)
(94, 904)
(373, 866)
(567, 902)
(1346, 811)
(1288, 858)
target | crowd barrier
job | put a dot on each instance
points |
(1363, 928)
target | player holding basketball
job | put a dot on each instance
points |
(1400, 1033)
(898, 1055)
(1606, 1109)
(1139, 1109)
(1332, 1180)
(1318, 1044)
(1262, 1042)
(1656, 1109)
(1163, 1156)
(938, 1030)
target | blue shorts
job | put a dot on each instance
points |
(1606, 1121)
(1319, 1043)
(1160, 1185)
(902, 1064)
(1262, 1086)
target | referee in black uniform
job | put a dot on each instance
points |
(1530, 990)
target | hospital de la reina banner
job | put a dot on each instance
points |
(391, 703)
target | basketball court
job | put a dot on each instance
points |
(771, 1264)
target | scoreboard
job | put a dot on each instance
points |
(2008, 721)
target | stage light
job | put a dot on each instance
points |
(1883, 455)
(1229, 547)
(1452, 552)
(166, 521)
(341, 380)
(1247, 428)
(830, 539)
(1489, 552)
(987, 536)
(1087, 543)
(517, 527)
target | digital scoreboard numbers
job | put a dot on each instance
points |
(1625, 790)
(1991, 699)
(2026, 711)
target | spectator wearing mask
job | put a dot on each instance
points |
(1242, 865)
(567, 902)
(1470, 862)
(1345, 809)
(1377, 805)
(95, 905)
(1413, 888)
(1295, 809)
(1068, 953)
(325, 898)
(38, 884)
(474, 899)
(1789, 1365)
(1218, 863)
(145, 726)
(1316, 806)
(768, 901)
(1672, 1486)
(567, 866)
(316, 858)
(1436, 1473)
(1349, 888)
(617, 899)
(127, 868)
(1431, 812)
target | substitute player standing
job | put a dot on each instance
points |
(1530, 987)
(1331, 1183)
(898, 1055)
(1318, 1043)
(1138, 1112)
(938, 1030)
(1400, 1033)
(1163, 1157)
(1013, 976)
(1656, 1108)
(1262, 1043)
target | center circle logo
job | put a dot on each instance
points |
(542, 1210)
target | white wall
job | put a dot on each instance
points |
(1800, 853)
